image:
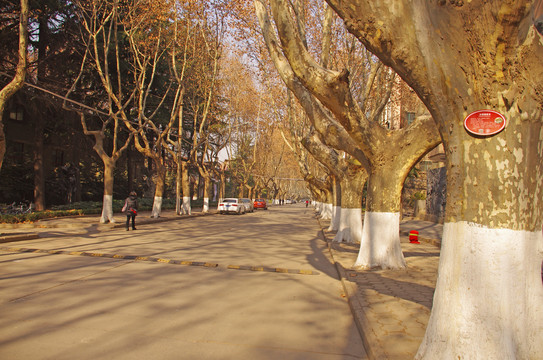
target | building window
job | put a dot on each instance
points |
(410, 117)
(16, 114)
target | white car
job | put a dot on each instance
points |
(248, 203)
(231, 205)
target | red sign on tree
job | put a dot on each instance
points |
(484, 122)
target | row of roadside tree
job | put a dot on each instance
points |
(459, 57)
(151, 84)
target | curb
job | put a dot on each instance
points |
(18, 237)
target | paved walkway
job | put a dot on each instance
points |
(391, 308)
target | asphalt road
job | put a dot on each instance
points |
(253, 286)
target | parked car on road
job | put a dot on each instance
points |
(248, 203)
(260, 204)
(231, 205)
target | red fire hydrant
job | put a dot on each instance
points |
(414, 237)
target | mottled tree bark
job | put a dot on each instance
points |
(186, 209)
(107, 206)
(206, 176)
(461, 57)
(350, 223)
(159, 179)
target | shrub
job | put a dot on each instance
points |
(80, 208)
(38, 215)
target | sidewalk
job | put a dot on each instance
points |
(24, 231)
(391, 308)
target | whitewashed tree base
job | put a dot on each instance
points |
(326, 213)
(488, 302)
(157, 207)
(206, 205)
(186, 208)
(107, 210)
(336, 217)
(318, 208)
(350, 226)
(380, 245)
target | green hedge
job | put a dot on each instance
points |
(35, 216)
(80, 208)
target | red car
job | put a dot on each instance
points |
(260, 204)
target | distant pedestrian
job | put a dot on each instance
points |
(130, 208)
(306, 203)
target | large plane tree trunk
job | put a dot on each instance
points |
(380, 245)
(350, 224)
(336, 205)
(107, 205)
(185, 185)
(160, 179)
(490, 267)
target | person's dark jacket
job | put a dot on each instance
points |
(131, 203)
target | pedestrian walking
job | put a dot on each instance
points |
(130, 208)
